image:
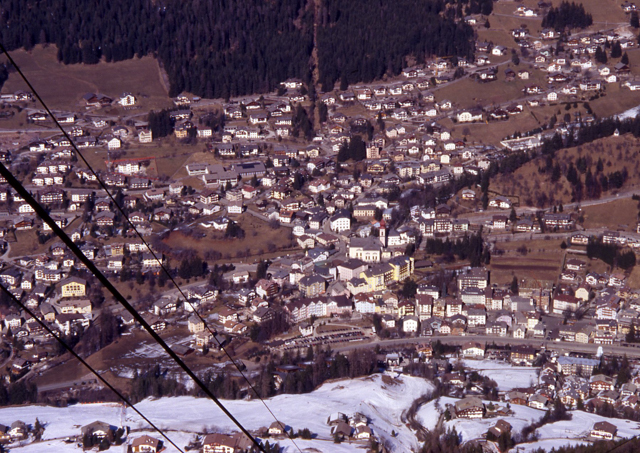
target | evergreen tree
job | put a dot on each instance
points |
(625, 58)
(631, 335)
(514, 285)
(601, 55)
(616, 50)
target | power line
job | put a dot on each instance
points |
(89, 367)
(159, 261)
(42, 213)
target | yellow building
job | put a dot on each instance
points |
(73, 287)
(378, 276)
(402, 267)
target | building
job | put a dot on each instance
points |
(565, 302)
(603, 430)
(410, 324)
(473, 350)
(73, 287)
(469, 407)
(341, 221)
(476, 277)
(146, 444)
(224, 443)
(576, 365)
(311, 285)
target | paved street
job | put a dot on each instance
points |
(560, 347)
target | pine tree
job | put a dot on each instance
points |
(631, 335)
(625, 59)
(616, 50)
(514, 285)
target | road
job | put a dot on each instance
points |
(67, 384)
(560, 347)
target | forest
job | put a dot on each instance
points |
(362, 41)
(567, 15)
(225, 48)
(221, 49)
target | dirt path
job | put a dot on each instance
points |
(315, 71)
(410, 417)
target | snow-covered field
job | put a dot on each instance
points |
(574, 431)
(381, 399)
(506, 376)
(546, 445)
(474, 429)
(631, 113)
(582, 422)
(382, 403)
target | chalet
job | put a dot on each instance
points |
(164, 307)
(600, 382)
(500, 202)
(223, 443)
(469, 407)
(98, 430)
(603, 430)
(473, 349)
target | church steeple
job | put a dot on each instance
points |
(383, 233)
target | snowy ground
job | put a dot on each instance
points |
(631, 113)
(580, 425)
(506, 376)
(147, 351)
(574, 431)
(546, 445)
(381, 400)
(474, 429)
(382, 403)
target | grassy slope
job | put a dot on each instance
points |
(616, 153)
(140, 76)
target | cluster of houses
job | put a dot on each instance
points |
(355, 427)
(567, 379)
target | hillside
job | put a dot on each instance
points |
(223, 49)
(543, 182)
(382, 400)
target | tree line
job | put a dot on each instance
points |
(567, 15)
(469, 247)
(611, 254)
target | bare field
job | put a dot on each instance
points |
(633, 280)
(618, 214)
(139, 76)
(27, 243)
(258, 238)
(542, 261)
(617, 99)
(170, 156)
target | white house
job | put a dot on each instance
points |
(468, 116)
(340, 222)
(127, 100)
(114, 143)
(410, 324)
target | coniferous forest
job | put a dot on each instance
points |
(567, 15)
(225, 48)
(363, 40)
